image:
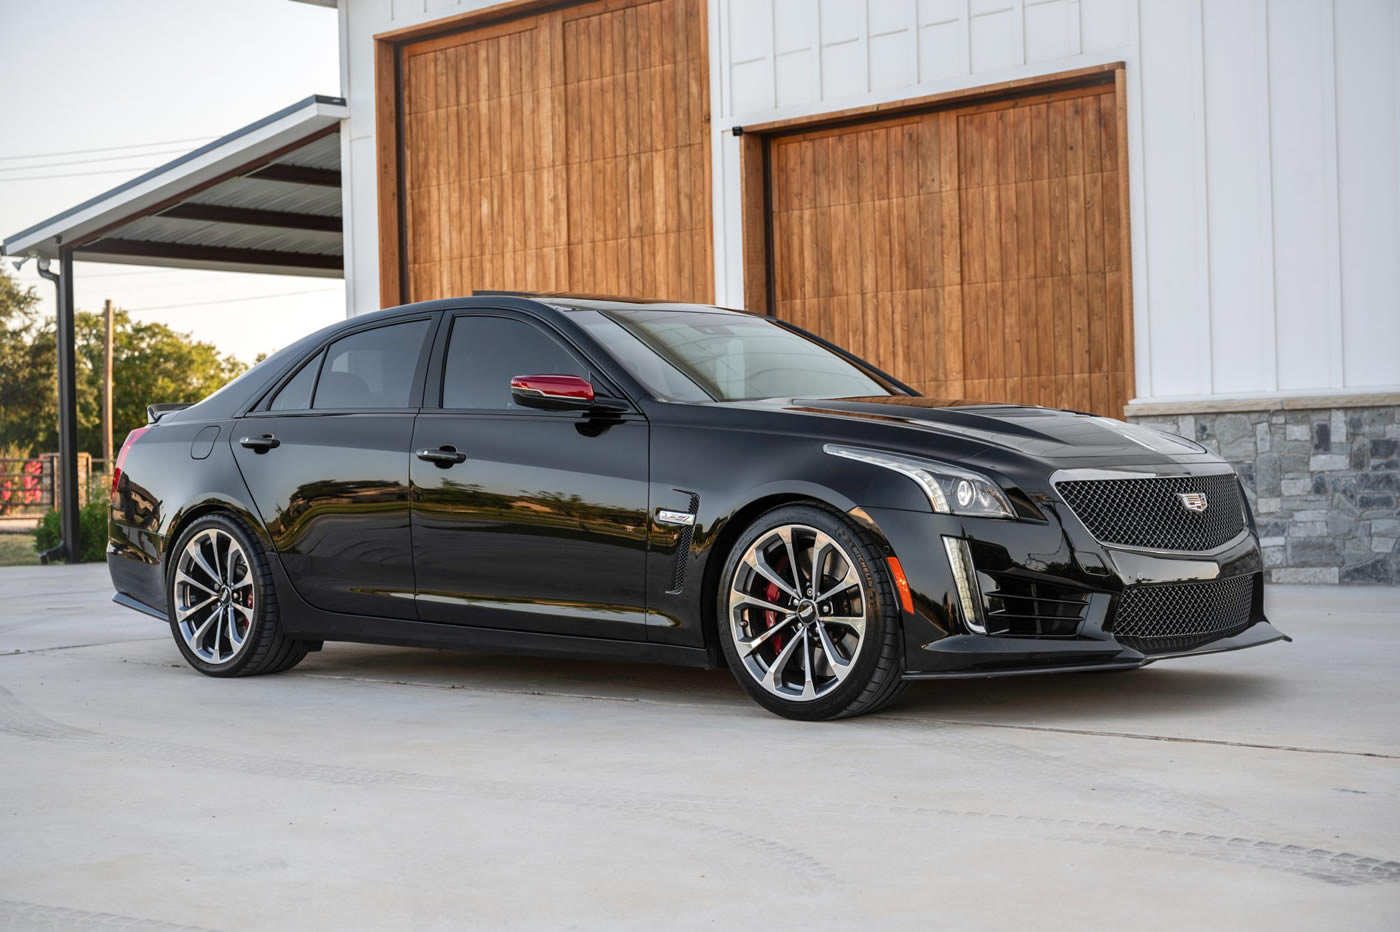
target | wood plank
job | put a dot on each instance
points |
(387, 172)
(1125, 245)
(752, 220)
(966, 250)
(529, 152)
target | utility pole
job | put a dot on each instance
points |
(107, 389)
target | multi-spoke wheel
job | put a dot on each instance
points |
(809, 624)
(214, 598)
(797, 612)
(223, 609)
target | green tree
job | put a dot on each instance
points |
(150, 363)
(28, 388)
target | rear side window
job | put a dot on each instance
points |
(296, 394)
(485, 353)
(372, 368)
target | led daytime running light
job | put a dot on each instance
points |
(960, 559)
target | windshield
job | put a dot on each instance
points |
(703, 356)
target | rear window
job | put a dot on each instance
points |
(296, 394)
(372, 368)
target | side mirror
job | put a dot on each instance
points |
(552, 392)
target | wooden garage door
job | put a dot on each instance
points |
(974, 253)
(564, 151)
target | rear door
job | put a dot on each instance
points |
(542, 525)
(326, 460)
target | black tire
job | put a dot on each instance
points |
(876, 676)
(265, 648)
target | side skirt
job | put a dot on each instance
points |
(401, 633)
(308, 623)
(121, 598)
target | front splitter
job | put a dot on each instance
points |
(1068, 656)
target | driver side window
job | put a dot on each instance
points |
(485, 353)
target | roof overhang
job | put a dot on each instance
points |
(265, 198)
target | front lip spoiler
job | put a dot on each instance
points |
(984, 663)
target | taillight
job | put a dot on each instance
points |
(121, 457)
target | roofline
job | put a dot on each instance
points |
(306, 116)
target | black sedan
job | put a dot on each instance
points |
(669, 483)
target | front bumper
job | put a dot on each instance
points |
(1062, 556)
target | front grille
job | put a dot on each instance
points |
(1150, 513)
(1181, 616)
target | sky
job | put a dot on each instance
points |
(157, 78)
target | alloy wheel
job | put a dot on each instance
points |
(797, 612)
(214, 596)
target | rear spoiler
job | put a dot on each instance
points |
(156, 412)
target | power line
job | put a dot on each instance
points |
(84, 277)
(87, 277)
(104, 158)
(134, 145)
(254, 297)
(200, 283)
(105, 171)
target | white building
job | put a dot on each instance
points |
(1183, 211)
(1258, 294)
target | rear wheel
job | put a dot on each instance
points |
(808, 619)
(221, 602)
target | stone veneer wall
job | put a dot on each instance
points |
(1324, 482)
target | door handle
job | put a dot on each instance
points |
(443, 457)
(261, 443)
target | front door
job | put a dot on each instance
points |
(541, 526)
(326, 461)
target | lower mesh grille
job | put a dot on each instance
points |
(1181, 616)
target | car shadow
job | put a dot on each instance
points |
(1092, 700)
(506, 673)
(1076, 699)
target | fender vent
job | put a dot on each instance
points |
(683, 548)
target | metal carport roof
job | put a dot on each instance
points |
(264, 198)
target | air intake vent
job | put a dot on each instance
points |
(1182, 616)
(1018, 607)
(683, 548)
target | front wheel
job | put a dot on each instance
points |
(808, 621)
(221, 602)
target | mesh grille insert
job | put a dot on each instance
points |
(683, 548)
(1180, 616)
(1150, 512)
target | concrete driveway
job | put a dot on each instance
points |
(387, 788)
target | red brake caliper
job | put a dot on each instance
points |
(770, 617)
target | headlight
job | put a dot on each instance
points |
(951, 490)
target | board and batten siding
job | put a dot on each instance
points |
(1264, 158)
(1263, 137)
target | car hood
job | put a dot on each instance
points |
(1062, 438)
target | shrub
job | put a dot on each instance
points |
(92, 532)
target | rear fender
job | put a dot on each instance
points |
(163, 487)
